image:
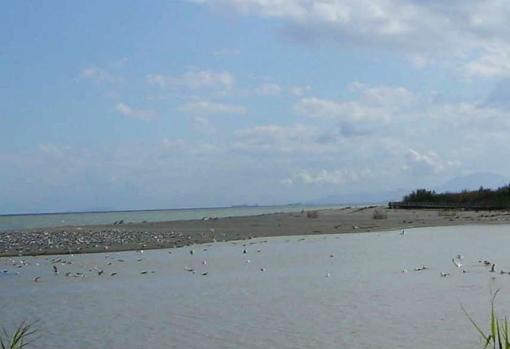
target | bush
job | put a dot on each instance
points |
(379, 214)
(312, 214)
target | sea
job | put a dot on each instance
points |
(356, 291)
(29, 221)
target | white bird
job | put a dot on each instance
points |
(445, 274)
(457, 264)
(402, 232)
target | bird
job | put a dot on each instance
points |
(143, 272)
(402, 232)
(204, 273)
(457, 264)
(493, 268)
(113, 274)
(36, 279)
(445, 274)
(55, 270)
(244, 251)
(191, 252)
(328, 275)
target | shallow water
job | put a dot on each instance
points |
(366, 302)
(28, 221)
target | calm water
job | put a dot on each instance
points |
(11, 222)
(366, 302)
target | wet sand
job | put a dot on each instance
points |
(135, 236)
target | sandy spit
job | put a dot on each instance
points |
(135, 236)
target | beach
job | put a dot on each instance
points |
(171, 234)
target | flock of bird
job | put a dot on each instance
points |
(59, 264)
(457, 263)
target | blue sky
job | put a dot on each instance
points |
(130, 105)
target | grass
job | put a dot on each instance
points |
(19, 339)
(497, 336)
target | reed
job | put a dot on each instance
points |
(497, 336)
(19, 339)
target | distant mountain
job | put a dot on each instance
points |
(474, 181)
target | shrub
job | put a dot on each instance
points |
(379, 214)
(312, 214)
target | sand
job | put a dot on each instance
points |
(135, 236)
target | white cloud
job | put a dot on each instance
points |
(268, 89)
(128, 111)
(99, 75)
(456, 32)
(493, 63)
(335, 177)
(374, 105)
(226, 52)
(427, 163)
(194, 80)
(210, 108)
(299, 91)
(274, 138)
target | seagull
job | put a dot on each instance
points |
(404, 270)
(457, 264)
(445, 274)
(493, 268)
(402, 232)
(36, 279)
(460, 257)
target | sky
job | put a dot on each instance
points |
(172, 104)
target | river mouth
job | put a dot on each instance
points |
(324, 291)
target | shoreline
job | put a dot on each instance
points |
(175, 234)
